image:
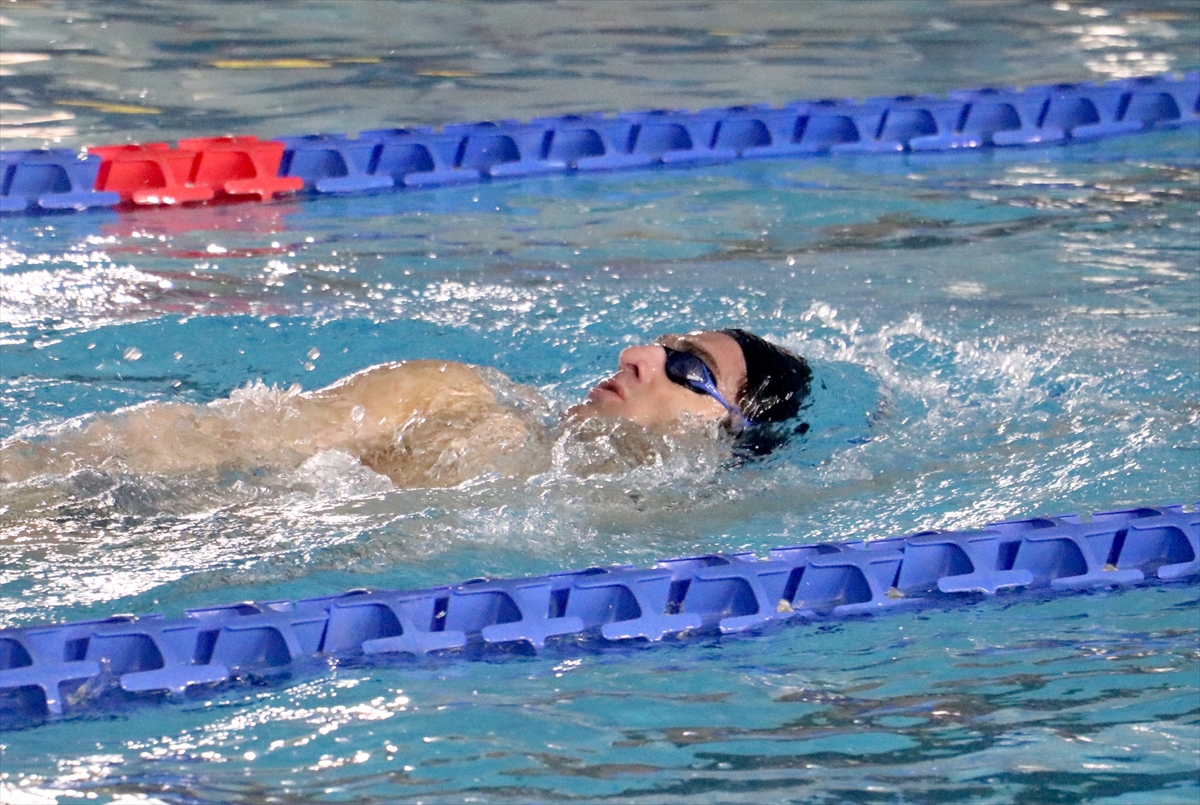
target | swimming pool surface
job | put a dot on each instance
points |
(994, 335)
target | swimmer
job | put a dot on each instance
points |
(428, 423)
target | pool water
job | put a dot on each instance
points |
(993, 335)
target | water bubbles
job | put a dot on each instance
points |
(313, 354)
(132, 354)
(336, 475)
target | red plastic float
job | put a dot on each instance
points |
(198, 170)
(240, 166)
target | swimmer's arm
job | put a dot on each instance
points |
(362, 414)
(153, 437)
(21, 460)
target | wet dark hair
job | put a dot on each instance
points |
(777, 385)
(777, 380)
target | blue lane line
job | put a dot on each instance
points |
(49, 670)
(383, 159)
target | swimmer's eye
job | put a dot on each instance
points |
(691, 372)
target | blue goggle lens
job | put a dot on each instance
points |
(691, 372)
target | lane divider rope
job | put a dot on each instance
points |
(202, 170)
(50, 670)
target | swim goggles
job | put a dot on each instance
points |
(692, 373)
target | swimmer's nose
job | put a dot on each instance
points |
(642, 362)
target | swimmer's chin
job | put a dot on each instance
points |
(580, 412)
(600, 410)
(598, 405)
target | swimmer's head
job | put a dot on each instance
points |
(728, 375)
(777, 380)
(777, 385)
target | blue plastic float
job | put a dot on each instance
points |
(52, 670)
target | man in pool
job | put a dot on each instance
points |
(427, 423)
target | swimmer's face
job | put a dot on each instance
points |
(641, 392)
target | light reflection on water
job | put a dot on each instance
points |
(995, 335)
(144, 71)
(951, 394)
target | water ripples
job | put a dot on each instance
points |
(992, 335)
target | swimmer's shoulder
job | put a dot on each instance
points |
(409, 371)
(418, 382)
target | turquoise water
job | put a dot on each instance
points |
(995, 335)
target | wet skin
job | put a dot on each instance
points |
(641, 392)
